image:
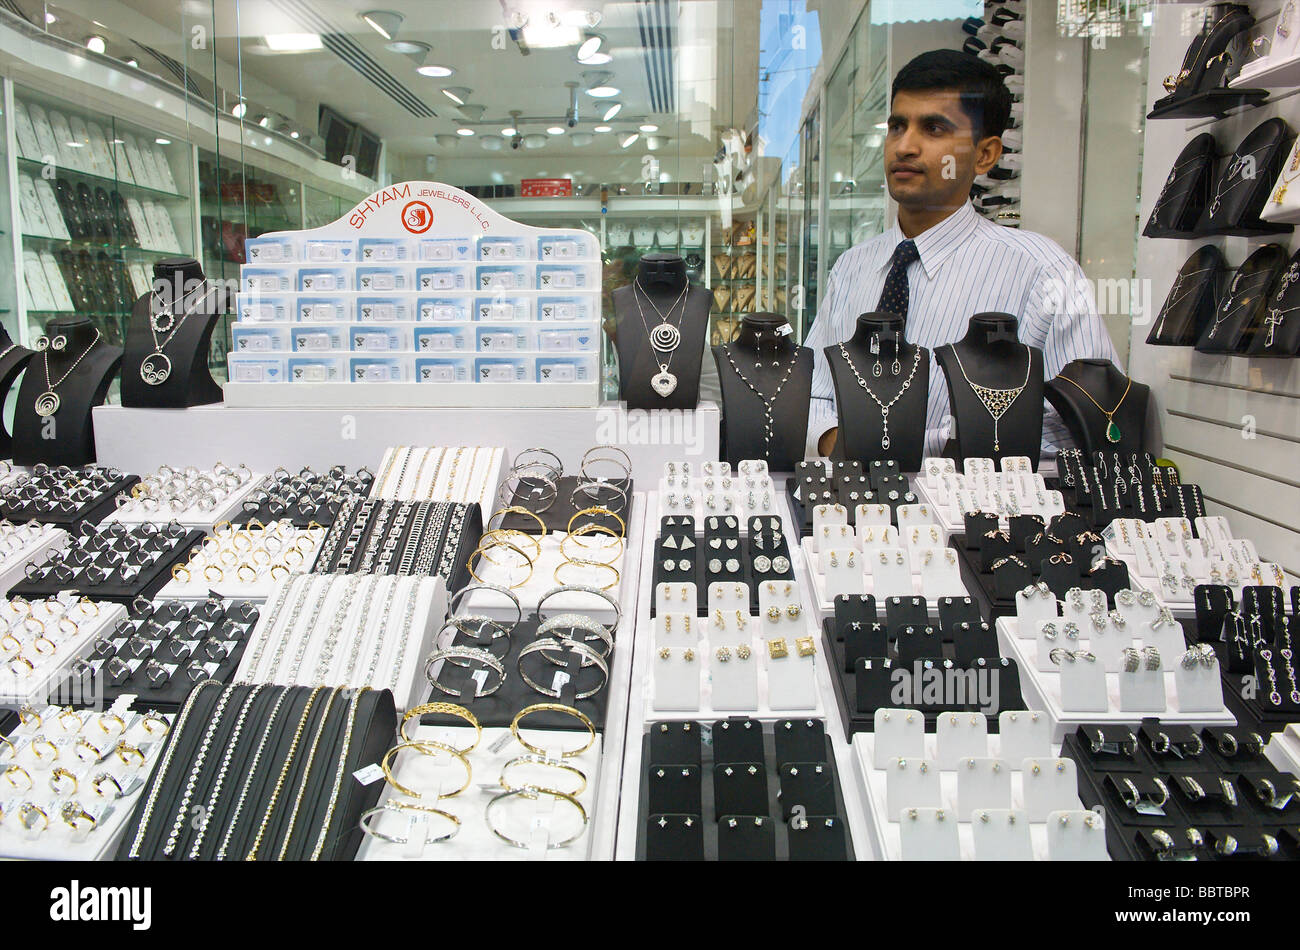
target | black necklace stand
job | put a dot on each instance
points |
(994, 357)
(661, 278)
(12, 363)
(186, 343)
(762, 352)
(878, 342)
(1086, 423)
(67, 436)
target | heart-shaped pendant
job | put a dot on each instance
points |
(663, 383)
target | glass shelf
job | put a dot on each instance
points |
(126, 187)
(74, 244)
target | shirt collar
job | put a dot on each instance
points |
(937, 244)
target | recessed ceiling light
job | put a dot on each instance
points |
(161, 141)
(612, 109)
(407, 47)
(435, 72)
(580, 139)
(603, 128)
(596, 59)
(95, 44)
(534, 141)
(550, 32)
(555, 130)
(464, 131)
(51, 18)
(603, 92)
(132, 61)
(509, 131)
(457, 94)
(238, 109)
(590, 46)
(446, 141)
(294, 134)
(75, 144)
(491, 143)
(293, 42)
(384, 22)
(629, 140)
(648, 127)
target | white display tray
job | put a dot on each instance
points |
(1043, 691)
(192, 518)
(45, 680)
(827, 606)
(475, 840)
(13, 569)
(884, 828)
(230, 587)
(1283, 749)
(412, 395)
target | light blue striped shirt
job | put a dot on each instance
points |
(967, 265)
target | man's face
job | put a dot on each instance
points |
(931, 158)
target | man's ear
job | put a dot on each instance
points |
(987, 152)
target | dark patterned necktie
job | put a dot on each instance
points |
(894, 298)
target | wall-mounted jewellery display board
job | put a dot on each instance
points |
(100, 200)
(421, 295)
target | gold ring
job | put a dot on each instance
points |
(252, 571)
(422, 747)
(222, 528)
(293, 553)
(207, 576)
(227, 558)
(105, 777)
(9, 638)
(241, 536)
(178, 570)
(53, 748)
(36, 645)
(73, 813)
(284, 571)
(121, 726)
(124, 750)
(61, 773)
(69, 711)
(446, 709)
(154, 716)
(16, 769)
(27, 810)
(559, 708)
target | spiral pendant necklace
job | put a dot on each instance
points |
(47, 403)
(664, 338)
(157, 366)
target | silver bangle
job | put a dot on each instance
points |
(602, 455)
(577, 622)
(593, 489)
(583, 651)
(557, 468)
(464, 653)
(454, 604)
(532, 792)
(581, 588)
(398, 807)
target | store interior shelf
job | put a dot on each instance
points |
(73, 244)
(126, 187)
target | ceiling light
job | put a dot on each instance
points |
(446, 141)
(51, 18)
(95, 44)
(238, 109)
(457, 94)
(629, 140)
(603, 128)
(611, 109)
(294, 134)
(596, 59)
(464, 131)
(293, 42)
(550, 32)
(509, 131)
(590, 46)
(555, 130)
(384, 22)
(472, 112)
(407, 47)
(582, 18)
(132, 61)
(435, 71)
(75, 144)
(163, 141)
(534, 141)
(603, 92)
(580, 139)
(648, 127)
(654, 142)
(491, 143)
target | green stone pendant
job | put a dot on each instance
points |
(1112, 432)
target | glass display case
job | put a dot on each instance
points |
(100, 201)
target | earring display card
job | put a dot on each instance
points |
(755, 794)
(991, 800)
(1081, 690)
(546, 827)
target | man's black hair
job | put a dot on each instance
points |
(984, 96)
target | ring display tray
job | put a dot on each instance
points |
(147, 584)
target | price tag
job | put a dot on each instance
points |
(369, 775)
(559, 681)
(480, 678)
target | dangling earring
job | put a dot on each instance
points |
(875, 348)
(897, 367)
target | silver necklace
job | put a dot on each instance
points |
(884, 406)
(996, 401)
(1175, 296)
(1239, 165)
(1227, 309)
(157, 367)
(768, 421)
(664, 338)
(47, 403)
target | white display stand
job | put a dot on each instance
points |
(1044, 691)
(964, 833)
(537, 821)
(869, 576)
(191, 518)
(137, 440)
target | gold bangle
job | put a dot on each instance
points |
(559, 708)
(579, 562)
(422, 746)
(532, 759)
(479, 551)
(178, 570)
(519, 510)
(592, 528)
(503, 535)
(221, 575)
(446, 709)
(596, 510)
(239, 573)
(279, 567)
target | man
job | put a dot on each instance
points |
(942, 262)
